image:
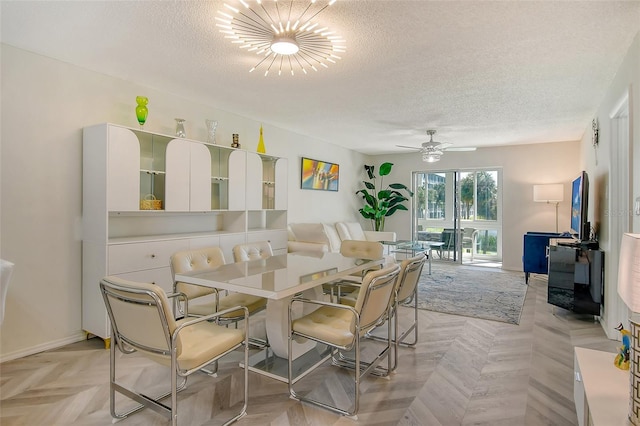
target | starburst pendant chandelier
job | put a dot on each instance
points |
(286, 38)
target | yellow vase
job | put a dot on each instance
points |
(261, 148)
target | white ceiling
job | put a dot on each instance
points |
(481, 73)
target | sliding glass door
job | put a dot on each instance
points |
(461, 210)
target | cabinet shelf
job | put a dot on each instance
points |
(168, 237)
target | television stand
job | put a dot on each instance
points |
(576, 272)
(584, 244)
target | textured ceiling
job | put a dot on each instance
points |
(481, 73)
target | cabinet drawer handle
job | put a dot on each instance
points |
(578, 378)
(153, 256)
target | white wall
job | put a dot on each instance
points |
(45, 105)
(522, 167)
(598, 165)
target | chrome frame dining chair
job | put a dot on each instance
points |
(341, 327)
(142, 321)
(365, 250)
(407, 293)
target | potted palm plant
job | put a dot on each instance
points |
(381, 201)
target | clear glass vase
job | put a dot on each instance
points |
(180, 128)
(211, 130)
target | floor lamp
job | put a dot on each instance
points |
(549, 193)
(629, 291)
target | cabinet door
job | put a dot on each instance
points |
(123, 168)
(254, 182)
(178, 176)
(200, 178)
(560, 289)
(237, 180)
(282, 180)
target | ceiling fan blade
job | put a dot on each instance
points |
(417, 148)
(461, 148)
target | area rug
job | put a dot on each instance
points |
(472, 291)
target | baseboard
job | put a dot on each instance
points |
(43, 347)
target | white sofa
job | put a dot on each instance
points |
(328, 237)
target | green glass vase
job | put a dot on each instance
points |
(141, 110)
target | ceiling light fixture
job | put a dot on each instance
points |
(432, 151)
(285, 38)
(431, 157)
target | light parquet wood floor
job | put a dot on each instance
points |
(464, 371)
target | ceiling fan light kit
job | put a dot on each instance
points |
(285, 37)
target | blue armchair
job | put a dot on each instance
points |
(534, 254)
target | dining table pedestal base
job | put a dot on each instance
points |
(269, 364)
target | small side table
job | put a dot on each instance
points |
(412, 248)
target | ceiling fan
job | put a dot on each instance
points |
(433, 150)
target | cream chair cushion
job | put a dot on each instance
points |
(252, 251)
(329, 324)
(362, 249)
(204, 341)
(337, 325)
(195, 260)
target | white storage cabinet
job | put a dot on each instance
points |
(211, 196)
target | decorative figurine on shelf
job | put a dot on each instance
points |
(141, 110)
(261, 149)
(622, 359)
(235, 143)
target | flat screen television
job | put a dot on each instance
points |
(580, 227)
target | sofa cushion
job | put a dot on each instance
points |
(309, 232)
(333, 237)
(350, 231)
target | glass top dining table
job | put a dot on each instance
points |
(279, 278)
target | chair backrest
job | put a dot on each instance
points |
(410, 270)
(252, 251)
(195, 260)
(140, 315)
(377, 291)
(449, 238)
(350, 231)
(369, 250)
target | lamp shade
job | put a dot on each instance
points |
(629, 271)
(550, 193)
